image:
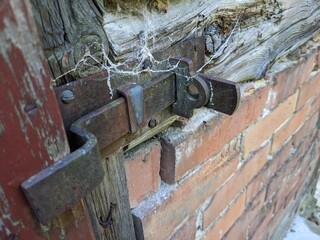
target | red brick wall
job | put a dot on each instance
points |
(235, 177)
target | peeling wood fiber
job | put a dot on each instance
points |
(243, 37)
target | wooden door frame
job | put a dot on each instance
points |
(32, 134)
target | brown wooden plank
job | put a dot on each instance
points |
(111, 199)
(31, 129)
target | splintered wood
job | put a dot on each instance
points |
(243, 38)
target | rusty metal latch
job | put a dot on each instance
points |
(201, 90)
(58, 187)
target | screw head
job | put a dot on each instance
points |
(153, 123)
(195, 47)
(67, 96)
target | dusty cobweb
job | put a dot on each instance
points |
(136, 63)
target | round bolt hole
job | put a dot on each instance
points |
(193, 91)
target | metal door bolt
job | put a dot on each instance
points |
(67, 96)
(153, 123)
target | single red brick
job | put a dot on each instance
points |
(238, 230)
(289, 128)
(286, 82)
(228, 219)
(281, 200)
(263, 129)
(302, 132)
(250, 108)
(285, 176)
(142, 168)
(255, 206)
(249, 217)
(279, 158)
(307, 164)
(298, 154)
(205, 135)
(305, 135)
(315, 104)
(234, 185)
(255, 186)
(309, 89)
(172, 204)
(262, 232)
(186, 231)
(185, 149)
(273, 185)
(290, 197)
(310, 132)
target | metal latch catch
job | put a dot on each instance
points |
(118, 121)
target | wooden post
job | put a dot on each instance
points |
(69, 29)
(109, 204)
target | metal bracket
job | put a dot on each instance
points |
(60, 186)
(134, 96)
(201, 90)
(224, 94)
(116, 122)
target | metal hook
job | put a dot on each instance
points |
(108, 222)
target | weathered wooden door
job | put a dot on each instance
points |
(32, 135)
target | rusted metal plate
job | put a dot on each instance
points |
(31, 129)
(186, 102)
(89, 94)
(59, 187)
(93, 92)
(198, 90)
(224, 95)
(111, 122)
(133, 93)
(193, 49)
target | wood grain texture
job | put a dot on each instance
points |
(112, 197)
(69, 30)
(243, 37)
(32, 135)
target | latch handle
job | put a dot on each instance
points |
(224, 94)
(195, 90)
(133, 93)
(60, 186)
